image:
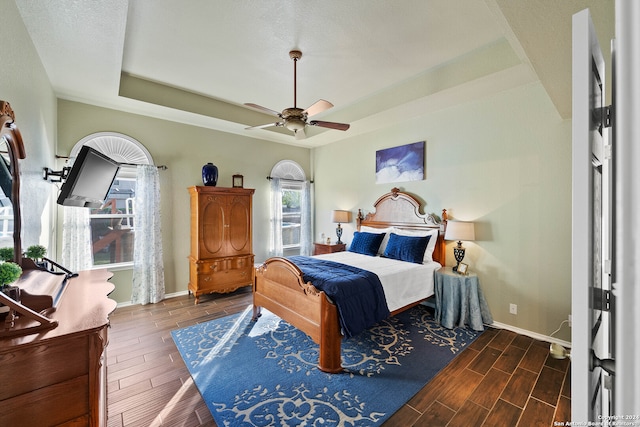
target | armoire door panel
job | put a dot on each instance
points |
(213, 220)
(240, 226)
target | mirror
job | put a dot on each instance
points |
(11, 149)
(6, 207)
(24, 306)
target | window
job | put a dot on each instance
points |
(112, 225)
(112, 228)
(290, 216)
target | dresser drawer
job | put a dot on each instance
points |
(220, 274)
(218, 265)
(238, 277)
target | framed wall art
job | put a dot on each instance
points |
(400, 164)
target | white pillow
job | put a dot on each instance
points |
(375, 230)
(428, 253)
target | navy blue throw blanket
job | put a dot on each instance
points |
(357, 293)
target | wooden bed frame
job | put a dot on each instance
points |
(279, 286)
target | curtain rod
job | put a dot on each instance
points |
(161, 167)
(287, 179)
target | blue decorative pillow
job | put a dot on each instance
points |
(366, 243)
(406, 248)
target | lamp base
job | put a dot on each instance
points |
(458, 254)
(339, 234)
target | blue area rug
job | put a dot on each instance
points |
(264, 373)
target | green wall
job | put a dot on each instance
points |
(25, 85)
(503, 162)
(184, 150)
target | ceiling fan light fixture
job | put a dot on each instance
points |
(295, 124)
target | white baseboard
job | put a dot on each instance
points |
(167, 296)
(534, 335)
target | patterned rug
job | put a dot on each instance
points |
(264, 373)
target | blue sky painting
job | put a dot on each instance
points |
(400, 164)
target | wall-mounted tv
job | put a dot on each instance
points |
(89, 180)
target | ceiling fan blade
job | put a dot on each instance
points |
(263, 109)
(264, 126)
(330, 125)
(318, 107)
(300, 134)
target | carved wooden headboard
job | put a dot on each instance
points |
(402, 210)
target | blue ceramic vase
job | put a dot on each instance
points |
(210, 174)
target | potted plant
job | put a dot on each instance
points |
(6, 254)
(36, 252)
(9, 273)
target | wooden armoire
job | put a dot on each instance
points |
(221, 258)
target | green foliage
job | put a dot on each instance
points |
(6, 254)
(35, 252)
(9, 272)
(291, 199)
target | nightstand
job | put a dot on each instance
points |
(459, 300)
(323, 248)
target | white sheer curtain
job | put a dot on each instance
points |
(275, 244)
(306, 221)
(77, 254)
(148, 269)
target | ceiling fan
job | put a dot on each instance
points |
(295, 119)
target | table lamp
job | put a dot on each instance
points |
(340, 216)
(459, 230)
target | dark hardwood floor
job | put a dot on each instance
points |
(502, 379)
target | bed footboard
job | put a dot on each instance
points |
(280, 288)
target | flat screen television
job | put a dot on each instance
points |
(89, 179)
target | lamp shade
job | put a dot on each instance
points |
(341, 216)
(458, 230)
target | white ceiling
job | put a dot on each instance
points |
(379, 62)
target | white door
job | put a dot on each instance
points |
(592, 326)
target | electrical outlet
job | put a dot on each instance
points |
(569, 318)
(513, 309)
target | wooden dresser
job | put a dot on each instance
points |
(221, 258)
(58, 377)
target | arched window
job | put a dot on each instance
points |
(289, 170)
(291, 210)
(120, 147)
(112, 225)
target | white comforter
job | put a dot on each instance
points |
(403, 282)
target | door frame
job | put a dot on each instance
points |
(627, 134)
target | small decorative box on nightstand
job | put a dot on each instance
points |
(323, 248)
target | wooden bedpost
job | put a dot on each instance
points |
(330, 357)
